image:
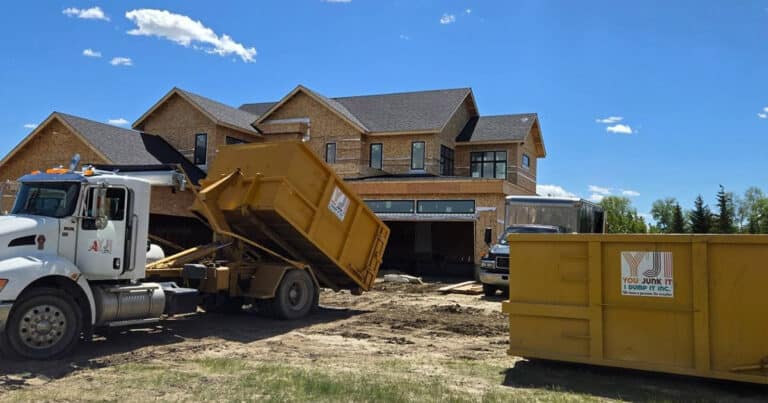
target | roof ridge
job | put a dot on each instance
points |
(404, 92)
(210, 99)
(501, 115)
(69, 115)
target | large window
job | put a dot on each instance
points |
(391, 206)
(526, 161)
(201, 148)
(417, 155)
(446, 161)
(446, 206)
(489, 164)
(235, 140)
(330, 153)
(376, 156)
(50, 199)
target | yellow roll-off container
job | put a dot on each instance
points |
(691, 305)
(282, 196)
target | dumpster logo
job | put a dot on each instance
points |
(647, 274)
(339, 203)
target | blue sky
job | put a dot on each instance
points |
(687, 78)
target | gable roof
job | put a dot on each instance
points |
(399, 112)
(498, 128)
(218, 112)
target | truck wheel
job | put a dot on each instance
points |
(489, 290)
(45, 323)
(296, 295)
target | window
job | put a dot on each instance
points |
(417, 155)
(391, 206)
(50, 199)
(235, 140)
(446, 161)
(446, 206)
(115, 207)
(489, 164)
(526, 161)
(330, 153)
(201, 148)
(376, 156)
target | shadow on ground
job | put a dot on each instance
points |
(625, 384)
(116, 346)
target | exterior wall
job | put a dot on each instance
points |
(164, 201)
(525, 177)
(396, 152)
(516, 173)
(325, 127)
(54, 145)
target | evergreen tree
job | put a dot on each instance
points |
(701, 217)
(726, 211)
(678, 221)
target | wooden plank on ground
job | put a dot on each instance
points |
(467, 287)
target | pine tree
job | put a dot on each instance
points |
(726, 212)
(678, 221)
(701, 217)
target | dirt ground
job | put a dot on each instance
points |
(458, 339)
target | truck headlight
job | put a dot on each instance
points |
(487, 264)
(3, 282)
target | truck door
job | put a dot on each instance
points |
(101, 251)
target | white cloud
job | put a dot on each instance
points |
(597, 198)
(630, 193)
(405, 37)
(762, 115)
(553, 191)
(468, 11)
(447, 19)
(619, 129)
(121, 61)
(765, 109)
(610, 120)
(91, 53)
(599, 189)
(93, 13)
(185, 31)
(30, 125)
(118, 122)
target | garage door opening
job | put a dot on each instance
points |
(436, 248)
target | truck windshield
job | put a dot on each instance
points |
(49, 199)
(525, 230)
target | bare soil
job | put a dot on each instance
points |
(406, 327)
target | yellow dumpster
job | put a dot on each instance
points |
(691, 305)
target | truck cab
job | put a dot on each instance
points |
(494, 266)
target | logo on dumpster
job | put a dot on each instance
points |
(647, 274)
(339, 203)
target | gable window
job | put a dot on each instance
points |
(417, 155)
(330, 153)
(234, 140)
(489, 164)
(446, 161)
(376, 156)
(201, 148)
(526, 161)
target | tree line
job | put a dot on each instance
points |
(746, 214)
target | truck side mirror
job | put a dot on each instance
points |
(101, 208)
(488, 236)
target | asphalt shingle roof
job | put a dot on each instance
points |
(239, 118)
(497, 128)
(128, 147)
(405, 111)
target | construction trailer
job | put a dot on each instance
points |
(683, 304)
(74, 249)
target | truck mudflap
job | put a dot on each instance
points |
(5, 310)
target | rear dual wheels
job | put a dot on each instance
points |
(45, 323)
(295, 297)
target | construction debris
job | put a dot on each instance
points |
(467, 287)
(402, 278)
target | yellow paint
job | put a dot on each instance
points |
(567, 302)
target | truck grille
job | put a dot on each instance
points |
(502, 261)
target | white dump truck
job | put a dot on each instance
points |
(73, 251)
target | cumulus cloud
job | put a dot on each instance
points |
(610, 120)
(121, 61)
(596, 197)
(468, 11)
(447, 19)
(91, 53)
(185, 31)
(93, 13)
(405, 37)
(762, 115)
(30, 125)
(630, 193)
(599, 190)
(619, 129)
(118, 122)
(553, 191)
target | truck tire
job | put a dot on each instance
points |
(489, 290)
(296, 296)
(45, 323)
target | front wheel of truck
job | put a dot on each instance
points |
(45, 323)
(296, 295)
(489, 290)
